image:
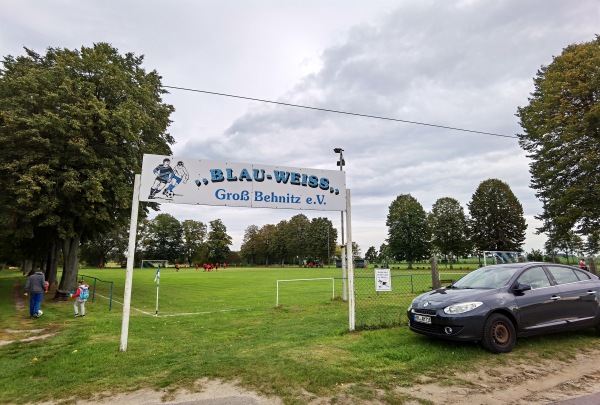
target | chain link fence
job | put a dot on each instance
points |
(380, 309)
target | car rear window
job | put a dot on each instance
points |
(582, 275)
(563, 275)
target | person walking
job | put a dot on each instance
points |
(36, 287)
(81, 296)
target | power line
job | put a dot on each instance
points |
(339, 112)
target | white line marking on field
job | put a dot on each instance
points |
(179, 314)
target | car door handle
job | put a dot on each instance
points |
(555, 297)
(591, 292)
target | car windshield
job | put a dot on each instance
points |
(487, 277)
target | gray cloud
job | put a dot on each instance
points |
(464, 63)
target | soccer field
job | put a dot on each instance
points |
(190, 292)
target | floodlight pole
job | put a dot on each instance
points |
(135, 203)
(341, 164)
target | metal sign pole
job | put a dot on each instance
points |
(351, 306)
(135, 202)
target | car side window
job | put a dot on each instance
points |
(582, 275)
(563, 275)
(536, 277)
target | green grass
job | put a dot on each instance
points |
(225, 325)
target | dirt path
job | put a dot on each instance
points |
(518, 384)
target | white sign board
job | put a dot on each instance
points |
(178, 180)
(383, 280)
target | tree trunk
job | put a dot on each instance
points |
(68, 281)
(592, 265)
(52, 263)
(27, 266)
(435, 273)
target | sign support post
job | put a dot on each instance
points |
(351, 305)
(135, 202)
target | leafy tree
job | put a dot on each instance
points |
(408, 231)
(568, 242)
(110, 245)
(233, 258)
(266, 236)
(322, 239)
(296, 237)
(249, 248)
(164, 239)
(218, 242)
(536, 255)
(356, 251)
(592, 244)
(278, 247)
(449, 228)
(74, 125)
(497, 221)
(383, 255)
(194, 241)
(562, 137)
(371, 254)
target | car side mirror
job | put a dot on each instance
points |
(521, 287)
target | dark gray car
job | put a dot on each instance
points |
(495, 304)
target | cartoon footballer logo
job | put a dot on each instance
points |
(167, 178)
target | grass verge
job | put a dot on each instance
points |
(224, 325)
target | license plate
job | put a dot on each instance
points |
(423, 319)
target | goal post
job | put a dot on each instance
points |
(153, 264)
(305, 279)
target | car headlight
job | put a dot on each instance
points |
(462, 307)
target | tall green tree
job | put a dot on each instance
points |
(278, 247)
(371, 254)
(356, 251)
(322, 239)
(408, 231)
(218, 242)
(296, 237)
(449, 228)
(164, 239)
(497, 221)
(250, 249)
(569, 243)
(561, 127)
(266, 238)
(194, 241)
(383, 256)
(592, 244)
(74, 125)
(110, 245)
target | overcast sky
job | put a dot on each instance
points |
(464, 64)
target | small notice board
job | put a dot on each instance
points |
(383, 280)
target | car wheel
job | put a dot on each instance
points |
(499, 334)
